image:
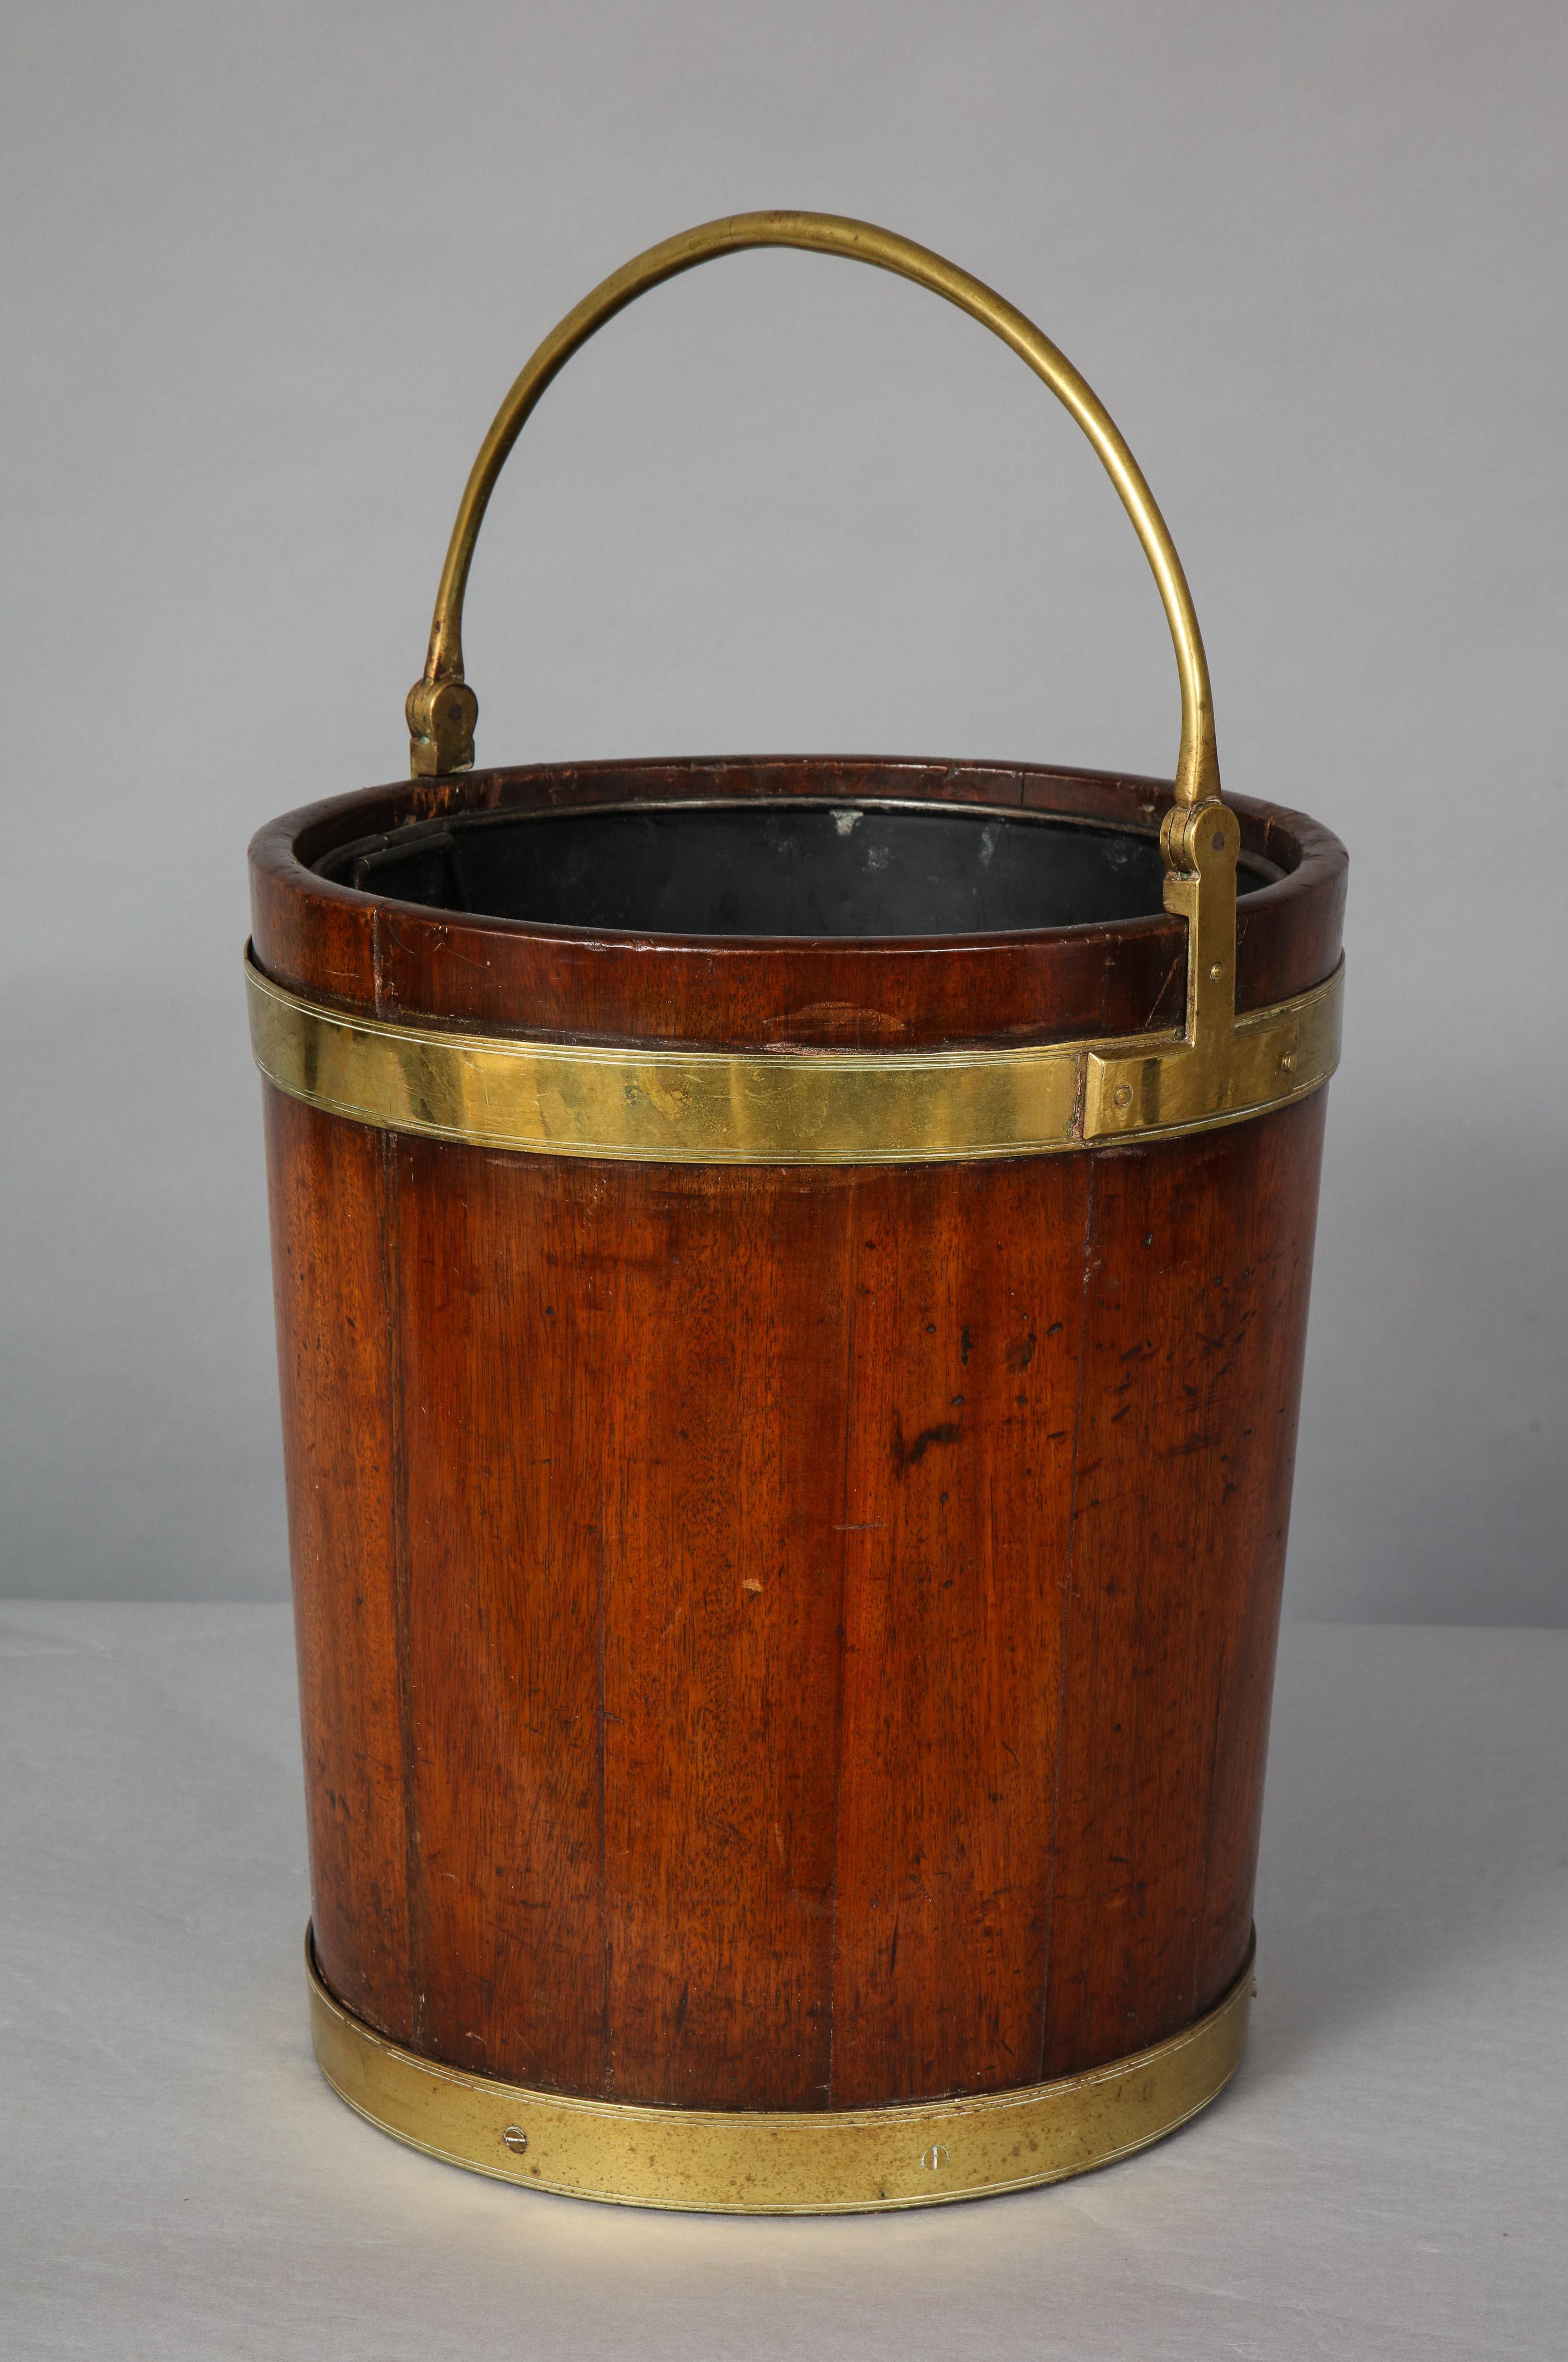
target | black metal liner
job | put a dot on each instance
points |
(771, 867)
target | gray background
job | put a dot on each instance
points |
(269, 270)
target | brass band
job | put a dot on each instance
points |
(846, 2162)
(788, 1107)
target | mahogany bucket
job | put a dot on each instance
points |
(791, 1280)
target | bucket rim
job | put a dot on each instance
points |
(1290, 843)
(385, 956)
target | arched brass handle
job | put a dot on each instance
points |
(442, 708)
(1200, 839)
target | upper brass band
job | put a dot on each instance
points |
(788, 1107)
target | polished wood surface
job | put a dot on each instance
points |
(783, 1638)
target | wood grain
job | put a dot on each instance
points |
(968, 1322)
(502, 1618)
(1197, 1270)
(335, 1386)
(722, 1606)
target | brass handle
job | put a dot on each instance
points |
(442, 709)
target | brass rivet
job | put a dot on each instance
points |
(1216, 972)
(516, 2139)
(1122, 1095)
(1288, 1060)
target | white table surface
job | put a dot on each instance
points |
(1386, 2177)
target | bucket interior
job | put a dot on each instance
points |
(771, 867)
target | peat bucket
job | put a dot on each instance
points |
(791, 1279)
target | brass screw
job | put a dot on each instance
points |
(1216, 972)
(1122, 1095)
(516, 2139)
